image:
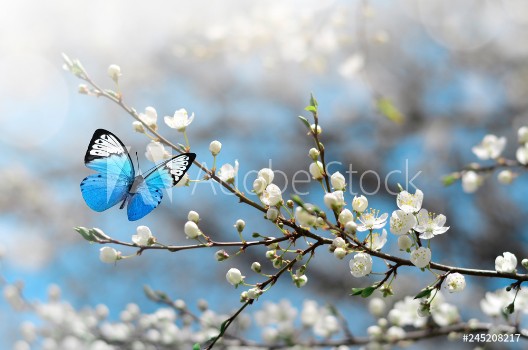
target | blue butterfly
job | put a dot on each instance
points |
(116, 180)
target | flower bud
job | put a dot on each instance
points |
(138, 127)
(524, 263)
(334, 200)
(267, 174)
(221, 255)
(289, 203)
(350, 227)
(272, 214)
(522, 134)
(314, 153)
(240, 225)
(506, 177)
(338, 181)
(215, 147)
(259, 185)
(191, 229)
(339, 242)
(316, 170)
(254, 293)
(255, 267)
(109, 255)
(404, 242)
(340, 253)
(193, 216)
(234, 277)
(345, 216)
(360, 203)
(83, 89)
(114, 72)
(318, 131)
(270, 254)
(300, 281)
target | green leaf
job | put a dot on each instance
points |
(357, 291)
(424, 293)
(386, 108)
(509, 309)
(450, 179)
(310, 109)
(313, 101)
(196, 346)
(85, 233)
(304, 121)
(367, 292)
(149, 292)
(223, 327)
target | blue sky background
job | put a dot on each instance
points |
(246, 91)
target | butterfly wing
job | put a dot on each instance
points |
(107, 155)
(149, 193)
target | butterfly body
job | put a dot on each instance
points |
(116, 180)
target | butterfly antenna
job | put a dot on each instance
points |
(137, 161)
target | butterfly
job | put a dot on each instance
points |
(116, 180)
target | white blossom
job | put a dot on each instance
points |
(351, 227)
(361, 265)
(234, 277)
(410, 203)
(267, 174)
(143, 237)
(109, 255)
(370, 221)
(180, 121)
(150, 117)
(156, 152)
(377, 241)
(254, 293)
(227, 172)
(360, 203)
(471, 181)
(215, 147)
(394, 333)
(191, 229)
(316, 170)
(310, 313)
(377, 306)
(338, 181)
(303, 217)
(491, 147)
(522, 154)
(339, 242)
(421, 257)
(334, 200)
(430, 225)
(445, 314)
(401, 222)
(507, 262)
(455, 282)
(272, 195)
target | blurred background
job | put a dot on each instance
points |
(455, 71)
